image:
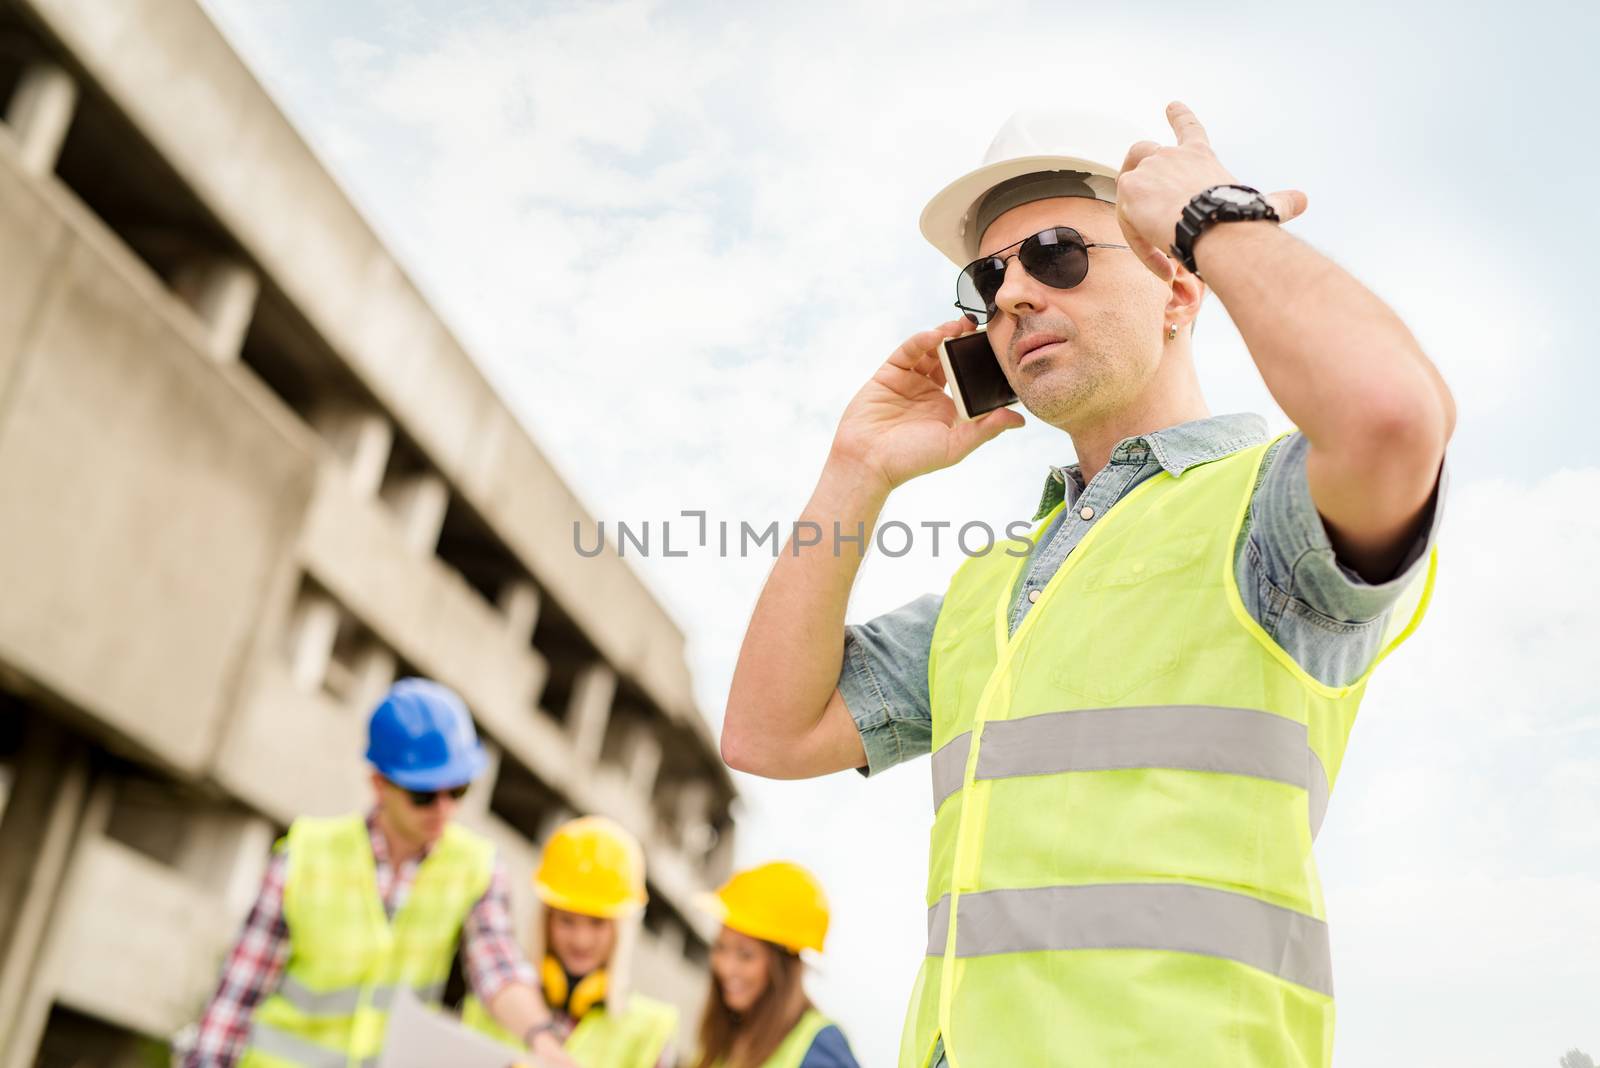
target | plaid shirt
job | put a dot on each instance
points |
(255, 964)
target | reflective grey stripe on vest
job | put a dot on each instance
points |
(274, 1042)
(344, 1001)
(1316, 790)
(950, 767)
(1163, 916)
(939, 926)
(1234, 741)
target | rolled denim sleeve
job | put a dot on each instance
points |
(884, 682)
(1330, 619)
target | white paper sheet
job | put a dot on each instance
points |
(421, 1038)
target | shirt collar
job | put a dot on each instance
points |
(1176, 449)
(380, 844)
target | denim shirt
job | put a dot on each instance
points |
(1322, 613)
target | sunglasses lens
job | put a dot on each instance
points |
(1057, 257)
(430, 798)
(977, 286)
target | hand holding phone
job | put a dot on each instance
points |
(977, 383)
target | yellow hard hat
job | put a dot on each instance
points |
(593, 867)
(778, 902)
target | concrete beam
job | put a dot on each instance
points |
(362, 439)
(589, 709)
(40, 113)
(222, 292)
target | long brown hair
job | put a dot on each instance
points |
(747, 1039)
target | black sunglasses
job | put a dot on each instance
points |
(428, 798)
(1058, 257)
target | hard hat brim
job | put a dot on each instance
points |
(719, 910)
(554, 899)
(458, 772)
(945, 221)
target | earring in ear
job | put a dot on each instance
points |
(1172, 331)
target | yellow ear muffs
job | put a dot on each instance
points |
(554, 979)
(590, 991)
(575, 1000)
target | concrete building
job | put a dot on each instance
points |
(247, 478)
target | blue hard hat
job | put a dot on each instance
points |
(421, 737)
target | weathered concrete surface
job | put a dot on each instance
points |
(147, 498)
(191, 97)
(166, 520)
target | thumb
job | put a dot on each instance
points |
(965, 437)
(1288, 204)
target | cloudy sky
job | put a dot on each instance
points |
(680, 236)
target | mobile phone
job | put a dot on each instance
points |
(977, 384)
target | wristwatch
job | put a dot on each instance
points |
(1220, 203)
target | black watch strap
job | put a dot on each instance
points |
(1220, 203)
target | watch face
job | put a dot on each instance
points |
(1229, 194)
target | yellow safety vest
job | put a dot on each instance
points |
(346, 958)
(1125, 796)
(797, 1043)
(635, 1038)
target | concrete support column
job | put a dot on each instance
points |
(673, 940)
(641, 760)
(691, 814)
(549, 821)
(222, 291)
(519, 603)
(719, 865)
(475, 805)
(226, 851)
(419, 502)
(362, 439)
(374, 674)
(41, 813)
(311, 636)
(693, 802)
(88, 821)
(589, 710)
(39, 114)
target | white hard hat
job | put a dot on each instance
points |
(1033, 141)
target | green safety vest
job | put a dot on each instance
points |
(346, 958)
(632, 1039)
(797, 1043)
(1125, 796)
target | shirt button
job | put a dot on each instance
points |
(1033, 596)
(1086, 513)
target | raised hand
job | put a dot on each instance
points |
(1157, 181)
(902, 424)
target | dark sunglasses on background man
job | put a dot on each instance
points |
(1058, 257)
(428, 798)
